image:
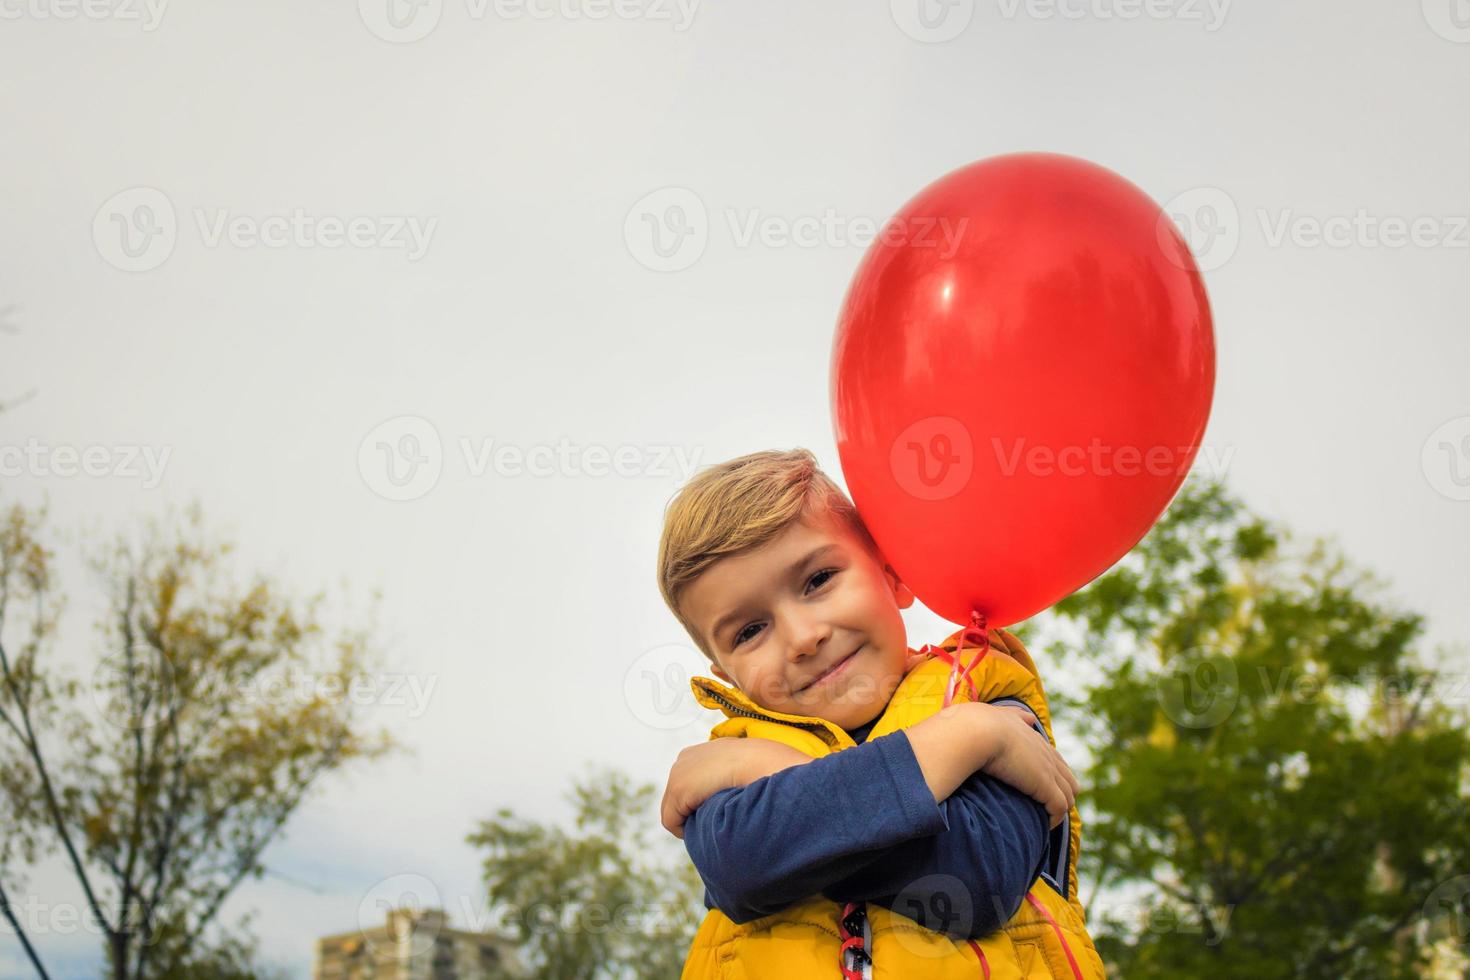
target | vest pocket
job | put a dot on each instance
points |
(1032, 962)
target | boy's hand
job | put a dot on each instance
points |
(1027, 760)
(703, 770)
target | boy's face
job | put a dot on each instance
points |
(806, 624)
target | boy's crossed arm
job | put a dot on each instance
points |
(906, 820)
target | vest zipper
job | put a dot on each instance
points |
(816, 728)
(862, 956)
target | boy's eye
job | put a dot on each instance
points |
(825, 575)
(829, 572)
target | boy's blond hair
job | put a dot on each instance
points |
(742, 503)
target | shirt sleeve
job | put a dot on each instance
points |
(971, 877)
(786, 836)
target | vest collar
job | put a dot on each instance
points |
(718, 696)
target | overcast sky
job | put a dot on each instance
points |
(262, 245)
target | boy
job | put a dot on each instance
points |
(840, 820)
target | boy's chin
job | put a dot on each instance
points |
(851, 705)
(849, 716)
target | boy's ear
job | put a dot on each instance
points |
(902, 594)
(720, 673)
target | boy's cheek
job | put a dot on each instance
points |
(770, 690)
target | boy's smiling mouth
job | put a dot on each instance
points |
(829, 673)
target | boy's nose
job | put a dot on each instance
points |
(808, 638)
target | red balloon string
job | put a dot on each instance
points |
(978, 632)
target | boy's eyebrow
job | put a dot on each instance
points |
(737, 612)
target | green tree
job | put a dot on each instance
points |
(603, 901)
(210, 710)
(1276, 772)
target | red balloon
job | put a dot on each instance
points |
(1021, 376)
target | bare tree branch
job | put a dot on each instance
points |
(25, 941)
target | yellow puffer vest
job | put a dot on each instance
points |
(803, 941)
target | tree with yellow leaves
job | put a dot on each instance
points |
(201, 717)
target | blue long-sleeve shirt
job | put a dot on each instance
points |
(862, 825)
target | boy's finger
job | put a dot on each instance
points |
(1025, 715)
(1064, 803)
(668, 817)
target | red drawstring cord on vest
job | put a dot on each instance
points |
(1071, 960)
(984, 964)
(980, 632)
(849, 941)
